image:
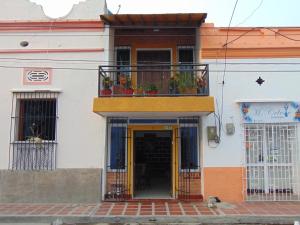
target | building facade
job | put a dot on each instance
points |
(50, 146)
(145, 106)
(263, 152)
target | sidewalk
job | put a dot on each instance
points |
(167, 212)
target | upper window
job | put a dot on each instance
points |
(123, 67)
(123, 55)
(186, 61)
(123, 60)
(185, 55)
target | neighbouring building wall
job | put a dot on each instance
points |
(73, 48)
(224, 162)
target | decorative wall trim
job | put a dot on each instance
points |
(37, 76)
(218, 53)
(69, 26)
(32, 51)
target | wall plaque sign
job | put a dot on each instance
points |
(270, 112)
(37, 76)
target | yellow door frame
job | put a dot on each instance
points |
(130, 159)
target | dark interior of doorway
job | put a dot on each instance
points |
(154, 69)
(152, 164)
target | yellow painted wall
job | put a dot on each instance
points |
(154, 104)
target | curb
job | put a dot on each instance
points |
(154, 219)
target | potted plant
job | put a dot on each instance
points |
(122, 79)
(151, 89)
(117, 89)
(128, 90)
(186, 83)
(106, 84)
(139, 90)
(201, 82)
(173, 85)
(35, 136)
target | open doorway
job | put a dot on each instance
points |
(154, 69)
(152, 164)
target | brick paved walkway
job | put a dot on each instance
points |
(159, 209)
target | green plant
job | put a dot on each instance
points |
(139, 89)
(186, 81)
(107, 82)
(151, 87)
(35, 137)
(125, 81)
(173, 84)
(128, 83)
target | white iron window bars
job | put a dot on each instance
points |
(272, 162)
(33, 131)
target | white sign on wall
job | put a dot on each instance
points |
(270, 112)
(37, 76)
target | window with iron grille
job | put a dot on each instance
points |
(189, 144)
(272, 162)
(33, 131)
(117, 144)
(117, 148)
(189, 148)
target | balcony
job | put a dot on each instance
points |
(153, 80)
(150, 89)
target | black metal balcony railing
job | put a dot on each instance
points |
(153, 80)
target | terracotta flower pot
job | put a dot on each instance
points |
(139, 91)
(128, 91)
(154, 92)
(117, 90)
(106, 92)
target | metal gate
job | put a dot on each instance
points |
(272, 162)
(118, 136)
(187, 163)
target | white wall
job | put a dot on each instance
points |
(80, 133)
(52, 40)
(242, 85)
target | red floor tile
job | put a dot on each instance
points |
(151, 208)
